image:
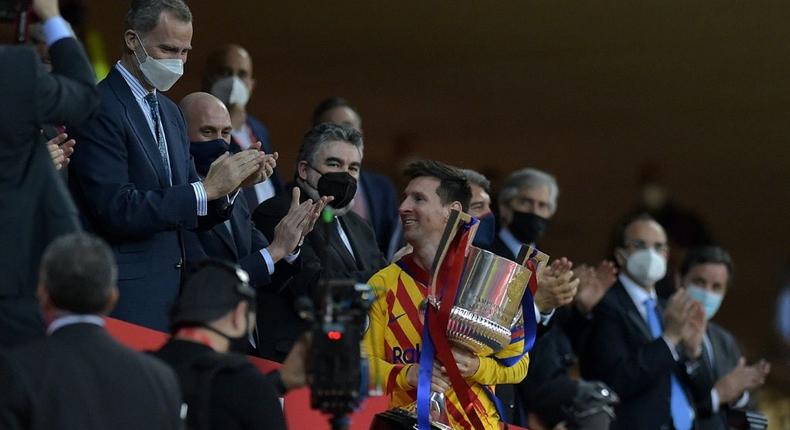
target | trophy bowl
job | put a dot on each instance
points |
(488, 302)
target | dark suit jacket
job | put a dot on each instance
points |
(278, 323)
(382, 206)
(118, 181)
(725, 357)
(499, 248)
(242, 247)
(81, 378)
(34, 204)
(622, 353)
(262, 134)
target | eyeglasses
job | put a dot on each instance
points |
(659, 247)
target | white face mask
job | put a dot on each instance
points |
(646, 266)
(161, 74)
(231, 90)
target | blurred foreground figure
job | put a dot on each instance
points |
(34, 205)
(211, 323)
(79, 377)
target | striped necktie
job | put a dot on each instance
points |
(153, 103)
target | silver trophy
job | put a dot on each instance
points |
(487, 305)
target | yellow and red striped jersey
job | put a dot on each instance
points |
(393, 342)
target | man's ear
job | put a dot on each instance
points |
(240, 315)
(43, 296)
(301, 170)
(457, 206)
(130, 40)
(620, 256)
(112, 300)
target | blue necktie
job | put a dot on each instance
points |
(153, 103)
(679, 403)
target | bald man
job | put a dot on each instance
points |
(228, 76)
(237, 240)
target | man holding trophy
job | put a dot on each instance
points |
(485, 353)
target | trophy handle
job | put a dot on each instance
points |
(453, 224)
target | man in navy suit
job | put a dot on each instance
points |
(376, 201)
(237, 240)
(647, 351)
(132, 176)
(228, 75)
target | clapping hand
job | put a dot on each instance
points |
(732, 385)
(60, 150)
(265, 170)
(556, 286)
(593, 284)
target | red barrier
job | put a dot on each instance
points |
(297, 409)
(297, 402)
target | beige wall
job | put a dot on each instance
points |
(586, 90)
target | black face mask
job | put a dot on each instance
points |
(528, 227)
(204, 153)
(239, 344)
(340, 185)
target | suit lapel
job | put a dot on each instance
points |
(336, 243)
(351, 233)
(221, 230)
(139, 124)
(175, 145)
(632, 313)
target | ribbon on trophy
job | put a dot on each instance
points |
(446, 277)
(535, 261)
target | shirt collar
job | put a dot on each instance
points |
(70, 319)
(638, 294)
(510, 241)
(138, 90)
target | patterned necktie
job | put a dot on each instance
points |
(153, 103)
(681, 408)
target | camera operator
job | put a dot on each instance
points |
(211, 320)
(33, 201)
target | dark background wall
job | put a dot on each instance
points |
(590, 91)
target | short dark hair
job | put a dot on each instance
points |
(79, 273)
(453, 185)
(619, 234)
(477, 178)
(328, 104)
(143, 15)
(322, 134)
(708, 254)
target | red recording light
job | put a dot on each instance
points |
(334, 335)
